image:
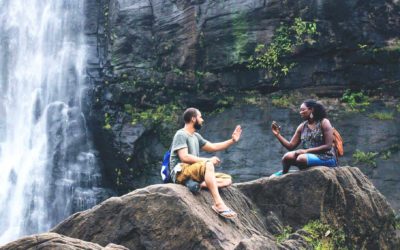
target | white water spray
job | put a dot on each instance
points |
(47, 166)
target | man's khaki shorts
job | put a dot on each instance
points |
(196, 172)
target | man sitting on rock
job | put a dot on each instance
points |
(187, 167)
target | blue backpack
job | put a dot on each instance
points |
(165, 173)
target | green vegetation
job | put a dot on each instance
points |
(118, 173)
(253, 98)
(107, 121)
(397, 221)
(106, 10)
(319, 235)
(240, 27)
(357, 101)
(153, 116)
(201, 40)
(199, 78)
(164, 117)
(324, 237)
(365, 157)
(287, 231)
(199, 74)
(387, 153)
(284, 101)
(392, 46)
(398, 107)
(226, 101)
(178, 71)
(362, 46)
(130, 84)
(382, 116)
(274, 57)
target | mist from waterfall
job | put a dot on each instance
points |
(48, 168)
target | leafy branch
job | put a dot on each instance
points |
(286, 38)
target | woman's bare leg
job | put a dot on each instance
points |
(288, 160)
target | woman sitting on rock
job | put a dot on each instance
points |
(315, 135)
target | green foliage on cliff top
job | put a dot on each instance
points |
(273, 57)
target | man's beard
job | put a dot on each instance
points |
(197, 125)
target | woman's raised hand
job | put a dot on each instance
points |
(276, 129)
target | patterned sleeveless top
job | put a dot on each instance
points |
(311, 138)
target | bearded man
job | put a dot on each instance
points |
(187, 165)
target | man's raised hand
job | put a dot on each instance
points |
(237, 133)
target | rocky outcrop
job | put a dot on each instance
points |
(55, 241)
(168, 216)
(342, 197)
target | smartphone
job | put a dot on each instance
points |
(276, 125)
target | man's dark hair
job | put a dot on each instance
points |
(319, 110)
(189, 114)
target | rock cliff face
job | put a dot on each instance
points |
(168, 216)
(216, 36)
(144, 54)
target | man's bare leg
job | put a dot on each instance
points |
(212, 185)
(220, 183)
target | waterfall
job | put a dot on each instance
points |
(48, 168)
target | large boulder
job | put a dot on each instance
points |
(55, 241)
(344, 197)
(168, 216)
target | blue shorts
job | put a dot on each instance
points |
(314, 160)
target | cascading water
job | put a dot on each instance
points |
(47, 166)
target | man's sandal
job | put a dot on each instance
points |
(227, 214)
